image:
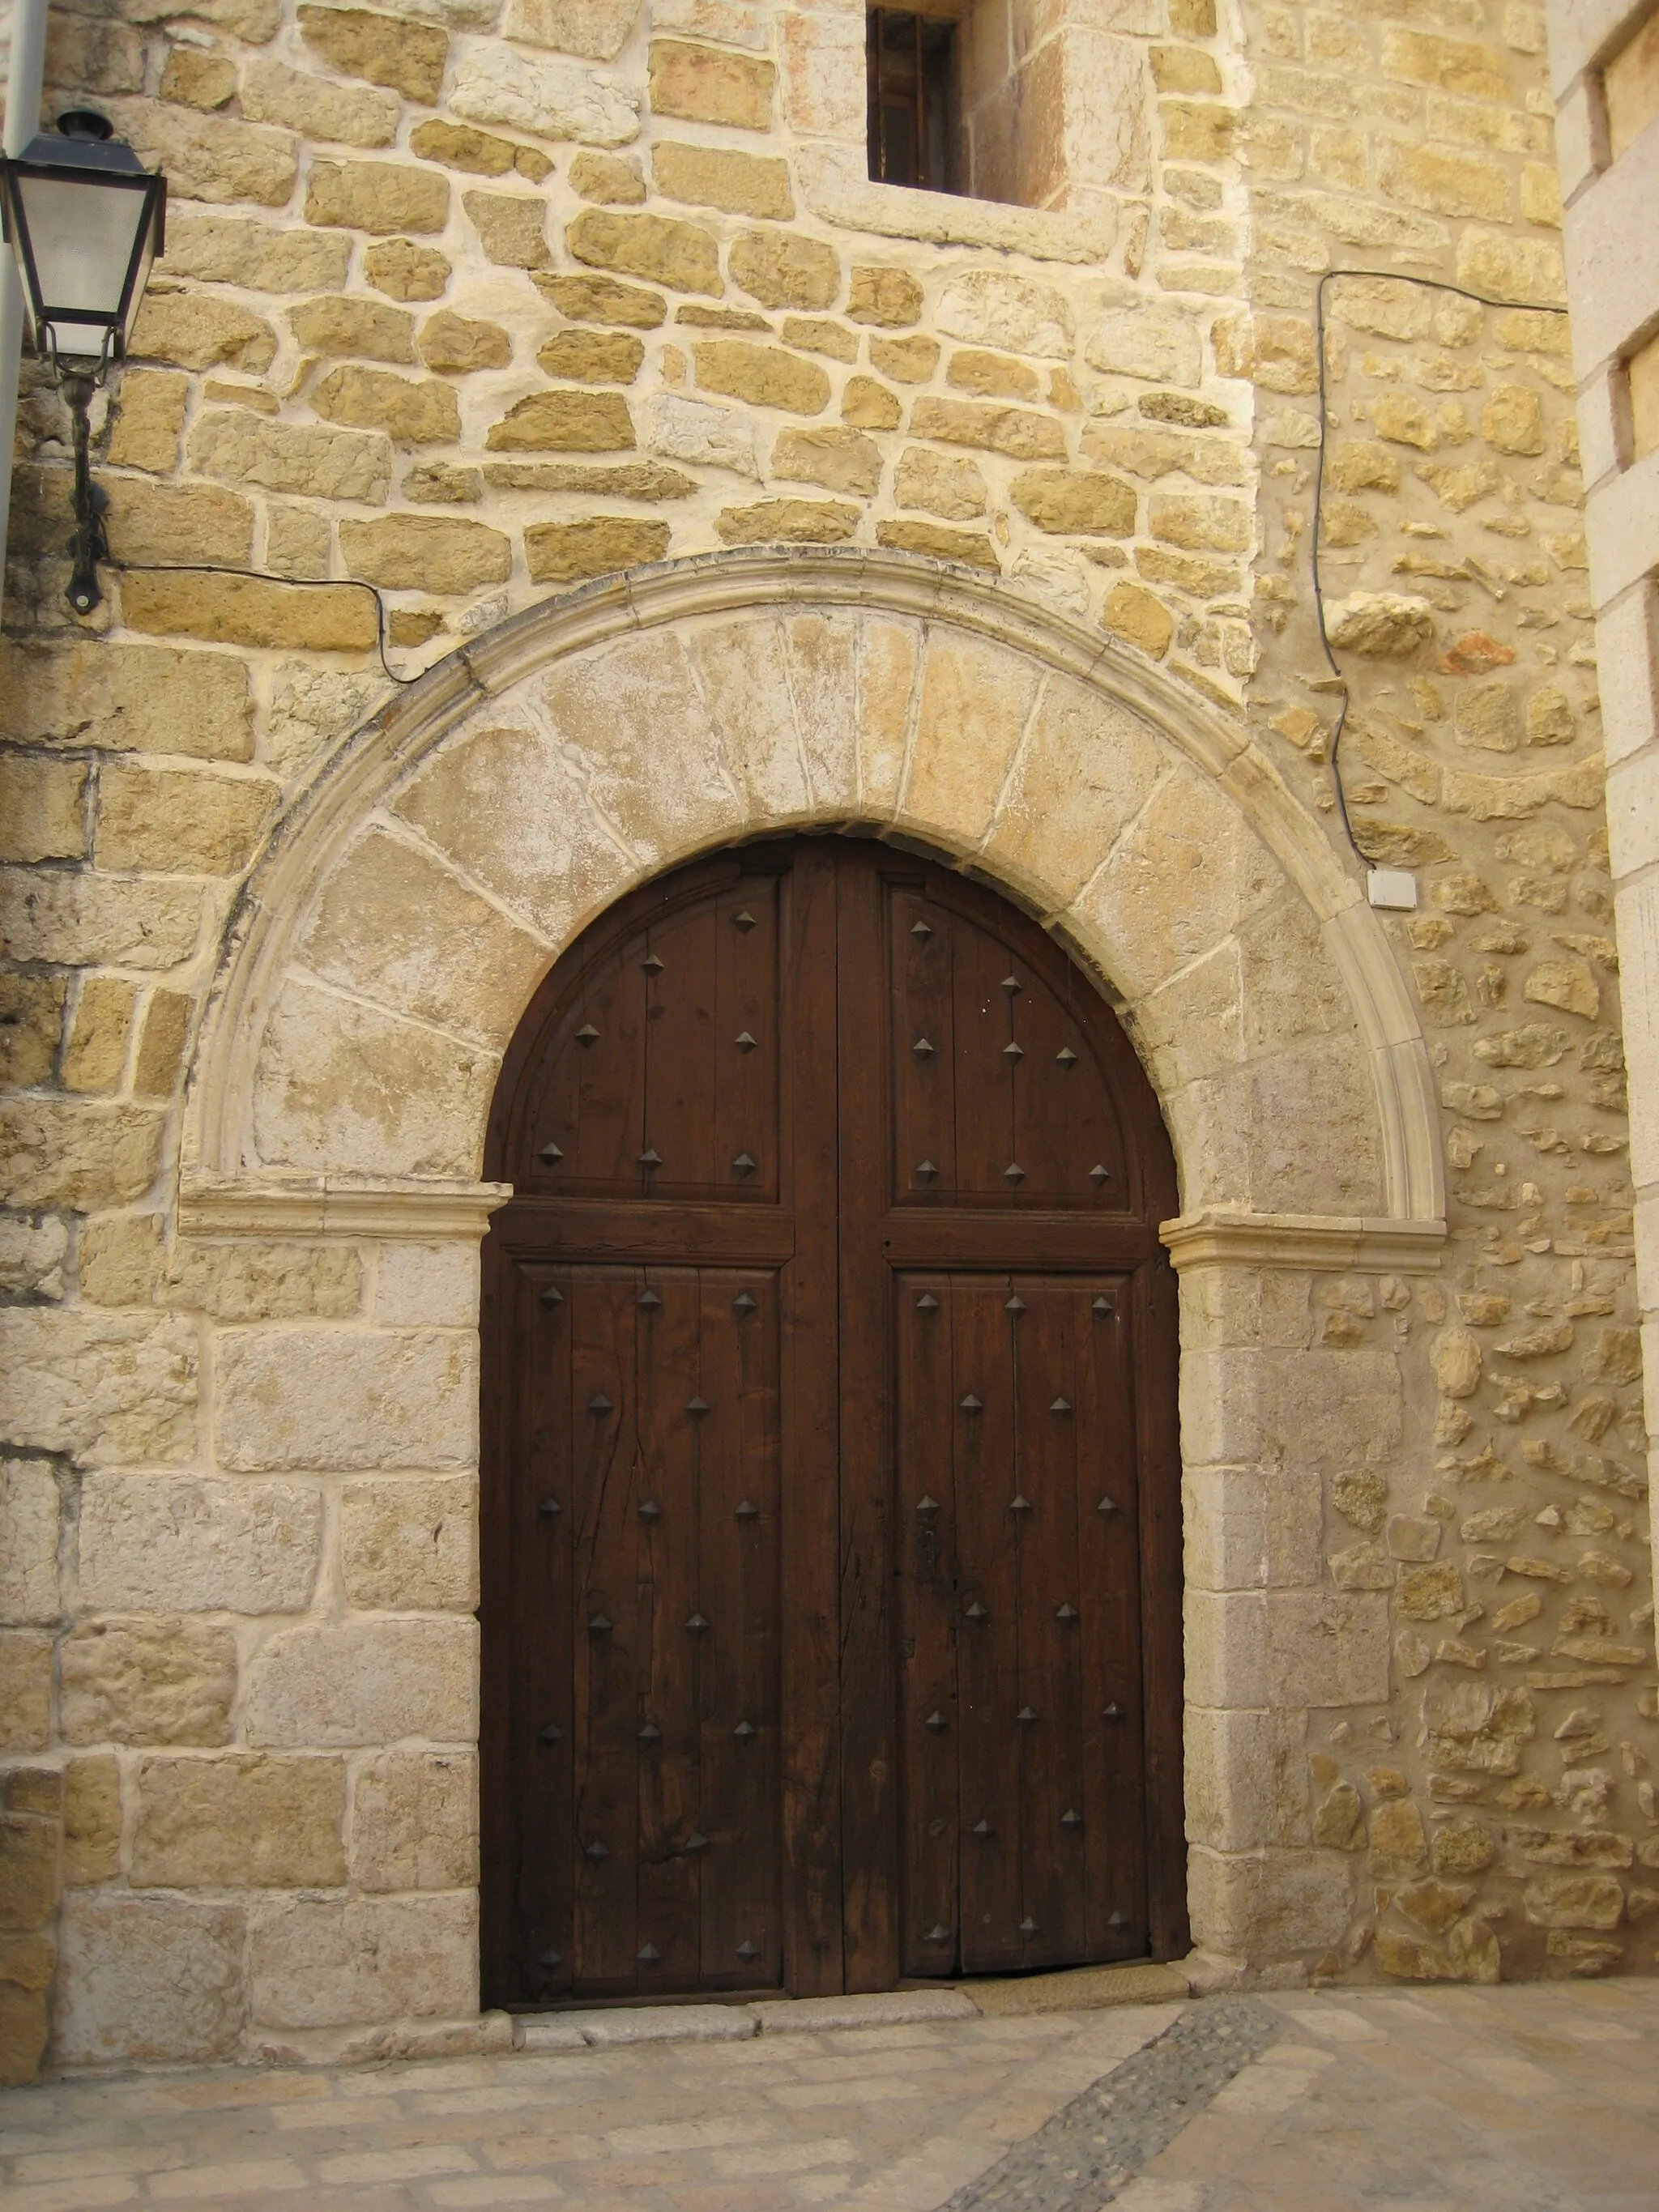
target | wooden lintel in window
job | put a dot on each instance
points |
(912, 87)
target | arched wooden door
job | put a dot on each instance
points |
(831, 1549)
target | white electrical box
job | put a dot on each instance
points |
(1392, 887)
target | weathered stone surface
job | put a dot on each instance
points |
(704, 85)
(840, 459)
(25, 1690)
(31, 1028)
(1075, 502)
(415, 1821)
(659, 248)
(411, 411)
(965, 685)
(941, 544)
(91, 1820)
(333, 1398)
(992, 375)
(564, 421)
(555, 100)
(209, 157)
(101, 1387)
(1511, 268)
(411, 1546)
(184, 821)
(595, 29)
(764, 376)
(323, 1963)
(952, 488)
(1592, 1900)
(348, 114)
(460, 146)
(791, 521)
(232, 250)
(871, 406)
(95, 1050)
(612, 179)
(1390, 622)
(425, 552)
(992, 306)
(403, 270)
(42, 808)
(1326, 1648)
(146, 1978)
(1158, 344)
(153, 1680)
(387, 50)
(329, 325)
(148, 415)
(891, 299)
(781, 271)
(242, 1821)
(292, 457)
(907, 360)
(720, 177)
(1016, 431)
(602, 299)
(512, 228)
(378, 196)
(593, 356)
(1140, 618)
(365, 1682)
(198, 333)
(251, 611)
(196, 1546)
(692, 430)
(563, 552)
(28, 1543)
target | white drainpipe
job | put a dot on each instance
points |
(26, 76)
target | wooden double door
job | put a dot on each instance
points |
(831, 1555)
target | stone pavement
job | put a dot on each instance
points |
(1523, 2099)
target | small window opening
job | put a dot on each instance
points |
(913, 100)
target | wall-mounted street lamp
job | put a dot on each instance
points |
(84, 218)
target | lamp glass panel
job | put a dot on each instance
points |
(82, 236)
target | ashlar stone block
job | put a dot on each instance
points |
(328, 1963)
(409, 1545)
(25, 1690)
(342, 1398)
(28, 1543)
(365, 1682)
(415, 1821)
(156, 1679)
(245, 1820)
(148, 1979)
(152, 1544)
(1327, 1648)
(975, 702)
(102, 1388)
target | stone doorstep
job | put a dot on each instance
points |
(1082, 1989)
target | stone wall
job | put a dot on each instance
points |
(470, 306)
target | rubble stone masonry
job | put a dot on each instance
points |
(477, 302)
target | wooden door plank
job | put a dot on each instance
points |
(610, 1076)
(746, 1006)
(920, 1026)
(1155, 1354)
(930, 1817)
(643, 1230)
(988, 1649)
(869, 1749)
(982, 1087)
(683, 1064)
(986, 1236)
(811, 1443)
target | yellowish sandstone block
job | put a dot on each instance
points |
(599, 545)
(711, 84)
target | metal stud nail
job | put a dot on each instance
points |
(744, 1730)
(745, 1511)
(747, 1950)
(1112, 1713)
(1097, 1174)
(1025, 1716)
(649, 1300)
(1108, 1506)
(1015, 1304)
(650, 1158)
(924, 1171)
(926, 1303)
(1103, 1310)
(596, 1850)
(1011, 983)
(921, 929)
(696, 1406)
(743, 1041)
(923, 1050)
(551, 1296)
(650, 964)
(980, 1827)
(550, 1155)
(651, 1732)
(649, 1954)
(1070, 1820)
(1065, 1056)
(926, 1504)
(971, 1404)
(1028, 1926)
(743, 919)
(587, 1035)
(1059, 1406)
(696, 1624)
(597, 1625)
(1019, 1502)
(743, 1304)
(696, 1841)
(938, 1933)
(937, 1722)
(1013, 1172)
(743, 1163)
(1117, 1920)
(1012, 1051)
(598, 1403)
(549, 1509)
(1066, 1613)
(552, 1733)
(649, 1509)
(551, 1959)
(976, 1611)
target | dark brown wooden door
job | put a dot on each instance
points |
(831, 1544)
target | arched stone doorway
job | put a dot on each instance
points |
(383, 951)
(830, 1482)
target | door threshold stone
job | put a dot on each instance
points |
(1078, 1989)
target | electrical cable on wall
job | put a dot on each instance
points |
(1384, 277)
(263, 576)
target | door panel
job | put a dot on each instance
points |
(828, 1370)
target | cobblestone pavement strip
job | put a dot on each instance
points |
(1535, 2099)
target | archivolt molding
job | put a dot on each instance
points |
(218, 1159)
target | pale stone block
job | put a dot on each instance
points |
(31, 1255)
(25, 1690)
(1247, 1779)
(409, 1545)
(126, 1262)
(977, 698)
(366, 1682)
(821, 655)
(148, 1979)
(149, 1544)
(1270, 1903)
(1582, 32)
(1327, 1648)
(1632, 816)
(415, 1821)
(1224, 1519)
(556, 100)
(28, 1543)
(426, 1285)
(1613, 264)
(1226, 1648)
(746, 683)
(685, 429)
(1627, 669)
(394, 925)
(883, 2008)
(328, 1963)
(1637, 907)
(160, 1679)
(1109, 139)
(83, 920)
(1580, 137)
(1311, 1115)
(1191, 1027)
(101, 1387)
(506, 809)
(92, 1819)
(823, 69)
(1085, 770)
(337, 1398)
(242, 1821)
(608, 2031)
(597, 32)
(993, 307)
(1621, 522)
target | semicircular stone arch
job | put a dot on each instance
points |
(397, 924)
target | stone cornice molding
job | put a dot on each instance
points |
(410, 1209)
(761, 581)
(1323, 1244)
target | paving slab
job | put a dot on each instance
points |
(894, 2009)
